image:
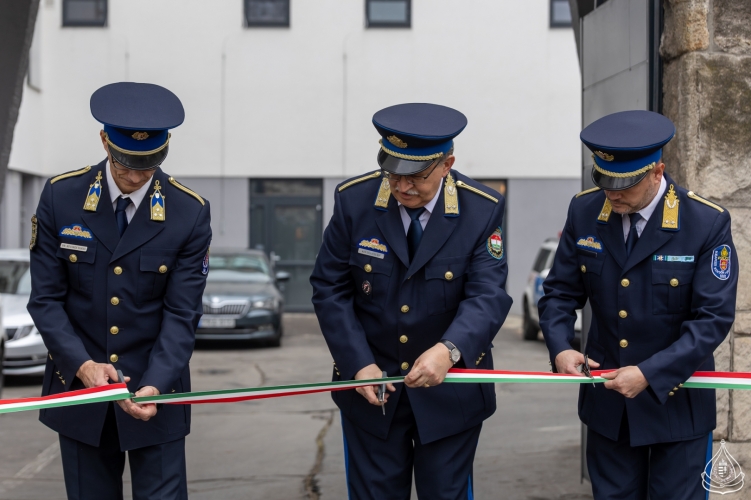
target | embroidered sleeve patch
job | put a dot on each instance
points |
(495, 244)
(721, 262)
(205, 264)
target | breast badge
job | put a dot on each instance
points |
(367, 288)
(372, 248)
(495, 244)
(95, 191)
(77, 232)
(721, 262)
(589, 243)
(157, 203)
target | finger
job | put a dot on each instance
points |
(369, 394)
(610, 385)
(390, 387)
(110, 372)
(593, 363)
(572, 370)
(127, 379)
(609, 375)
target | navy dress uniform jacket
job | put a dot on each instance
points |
(664, 315)
(453, 289)
(147, 284)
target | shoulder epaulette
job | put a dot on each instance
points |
(374, 175)
(69, 174)
(698, 198)
(183, 188)
(466, 186)
(587, 191)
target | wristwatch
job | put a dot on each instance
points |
(454, 353)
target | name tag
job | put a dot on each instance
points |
(78, 248)
(370, 253)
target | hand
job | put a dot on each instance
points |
(569, 361)
(430, 368)
(137, 410)
(629, 381)
(369, 391)
(97, 374)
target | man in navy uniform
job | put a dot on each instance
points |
(658, 266)
(119, 257)
(410, 280)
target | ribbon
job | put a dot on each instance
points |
(116, 392)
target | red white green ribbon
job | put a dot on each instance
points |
(116, 392)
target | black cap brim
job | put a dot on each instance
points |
(400, 166)
(140, 162)
(615, 183)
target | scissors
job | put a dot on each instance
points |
(381, 393)
(586, 371)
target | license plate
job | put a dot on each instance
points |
(216, 323)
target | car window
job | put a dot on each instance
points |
(238, 269)
(15, 277)
(541, 260)
(551, 259)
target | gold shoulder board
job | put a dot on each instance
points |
(183, 188)
(587, 191)
(69, 174)
(374, 175)
(698, 198)
(462, 185)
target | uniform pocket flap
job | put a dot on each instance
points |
(371, 264)
(77, 253)
(591, 264)
(671, 276)
(447, 268)
(157, 261)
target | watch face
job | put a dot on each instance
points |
(455, 355)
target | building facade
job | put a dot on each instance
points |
(279, 96)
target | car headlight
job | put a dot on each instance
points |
(24, 331)
(271, 303)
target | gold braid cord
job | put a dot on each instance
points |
(708, 203)
(410, 157)
(183, 188)
(587, 191)
(137, 153)
(374, 175)
(623, 176)
(476, 191)
(70, 174)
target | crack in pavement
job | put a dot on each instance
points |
(262, 373)
(312, 490)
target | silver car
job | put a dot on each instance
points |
(25, 350)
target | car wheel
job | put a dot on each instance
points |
(276, 340)
(529, 328)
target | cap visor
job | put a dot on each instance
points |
(399, 166)
(615, 183)
(138, 162)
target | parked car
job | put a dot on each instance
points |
(25, 353)
(533, 292)
(242, 300)
(3, 339)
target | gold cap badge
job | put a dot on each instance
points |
(396, 141)
(605, 156)
(139, 136)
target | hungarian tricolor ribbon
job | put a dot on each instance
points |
(116, 392)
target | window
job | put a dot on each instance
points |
(267, 13)
(560, 14)
(541, 260)
(85, 13)
(388, 13)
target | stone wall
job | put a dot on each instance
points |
(706, 49)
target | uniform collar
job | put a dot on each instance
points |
(136, 196)
(647, 211)
(431, 204)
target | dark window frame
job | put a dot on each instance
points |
(266, 24)
(406, 24)
(553, 22)
(67, 23)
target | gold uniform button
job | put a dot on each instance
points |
(625, 282)
(671, 393)
(583, 268)
(368, 268)
(403, 339)
(623, 343)
(118, 270)
(675, 388)
(162, 269)
(114, 331)
(114, 358)
(449, 275)
(114, 301)
(405, 365)
(405, 308)
(73, 258)
(622, 314)
(680, 385)
(50, 355)
(674, 282)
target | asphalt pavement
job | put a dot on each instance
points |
(291, 448)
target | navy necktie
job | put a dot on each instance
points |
(633, 235)
(414, 234)
(122, 219)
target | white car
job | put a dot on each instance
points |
(25, 353)
(533, 292)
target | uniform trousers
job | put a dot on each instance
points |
(661, 471)
(381, 469)
(95, 473)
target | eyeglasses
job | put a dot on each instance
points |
(410, 179)
(122, 167)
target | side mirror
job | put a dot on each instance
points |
(282, 276)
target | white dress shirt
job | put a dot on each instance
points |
(425, 216)
(645, 212)
(136, 196)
